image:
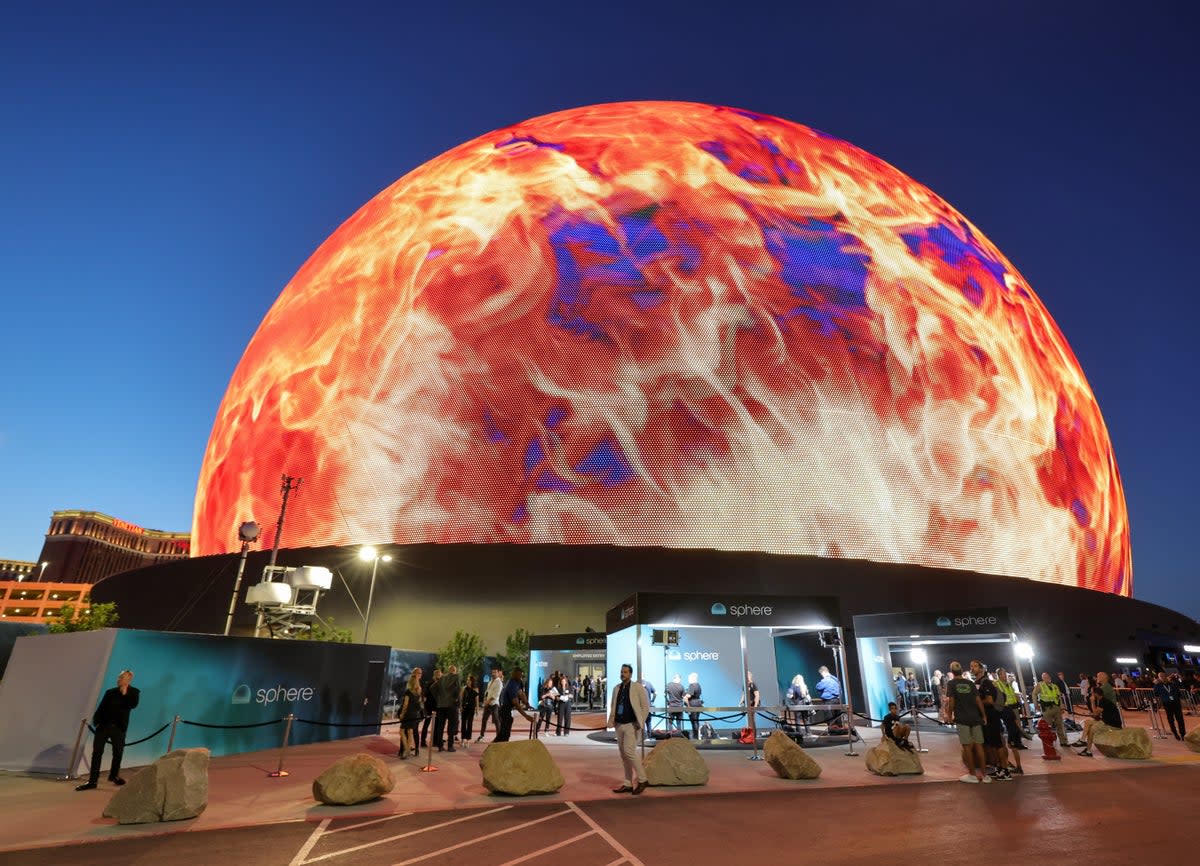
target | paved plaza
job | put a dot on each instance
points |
(448, 817)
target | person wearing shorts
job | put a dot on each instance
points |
(966, 714)
(994, 749)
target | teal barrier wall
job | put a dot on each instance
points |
(241, 681)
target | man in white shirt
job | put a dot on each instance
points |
(490, 698)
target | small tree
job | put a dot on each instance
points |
(326, 631)
(89, 619)
(464, 650)
(516, 652)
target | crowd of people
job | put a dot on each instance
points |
(447, 705)
(989, 711)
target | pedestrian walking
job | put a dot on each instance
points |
(628, 711)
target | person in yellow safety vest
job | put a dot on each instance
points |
(1008, 715)
(1049, 697)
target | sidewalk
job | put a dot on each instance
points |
(40, 812)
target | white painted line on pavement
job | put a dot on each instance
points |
(512, 829)
(367, 823)
(308, 846)
(548, 848)
(406, 835)
(604, 834)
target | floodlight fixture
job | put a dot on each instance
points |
(248, 532)
(1024, 650)
(370, 554)
(919, 655)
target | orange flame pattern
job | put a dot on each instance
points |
(670, 324)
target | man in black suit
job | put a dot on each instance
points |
(111, 721)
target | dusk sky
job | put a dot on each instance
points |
(164, 172)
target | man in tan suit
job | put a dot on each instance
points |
(627, 712)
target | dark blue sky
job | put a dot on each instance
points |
(164, 172)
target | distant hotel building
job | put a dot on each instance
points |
(87, 546)
(18, 570)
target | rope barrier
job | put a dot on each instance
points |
(348, 725)
(255, 725)
(143, 739)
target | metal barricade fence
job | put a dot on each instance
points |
(1189, 702)
(1152, 706)
(1127, 698)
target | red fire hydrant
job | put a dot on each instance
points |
(1048, 736)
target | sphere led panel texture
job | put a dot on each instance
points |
(670, 324)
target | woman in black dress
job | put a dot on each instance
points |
(470, 700)
(410, 715)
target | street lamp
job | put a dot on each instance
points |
(1025, 651)
(247, 533)
(920, 657)
(370, 554)
(42, 573)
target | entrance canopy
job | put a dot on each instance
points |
(721, 641)
(576, 655)
(920, 642)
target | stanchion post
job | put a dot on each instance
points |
(280, 772)
(75, 751)
(839, 659)
(917, 728)
(171, 741)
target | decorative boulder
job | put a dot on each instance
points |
(1130, 744)
(353, 779)
(1192, 739)
(173, 788)
(888, 759)
(788, 759)
(520, 768)
(676, 762)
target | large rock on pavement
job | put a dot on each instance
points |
(788, 759)
(676, 762)
(358, 778)
(888, 759)
(1130, 744)
(173, 788)
(1192, 739)
(520, 768)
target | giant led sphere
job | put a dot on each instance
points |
(671, 324)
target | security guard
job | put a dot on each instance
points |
(1050, 699)
(1010, 705)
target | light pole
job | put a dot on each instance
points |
(42, 573)
(247, 533)
(1025, 651)
(370, 554)
(920, 657)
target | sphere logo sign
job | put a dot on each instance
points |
(670, 324)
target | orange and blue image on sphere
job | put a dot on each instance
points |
(672, 324)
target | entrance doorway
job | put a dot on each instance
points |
(923, 644)
(589, 672)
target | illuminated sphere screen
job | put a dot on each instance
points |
(670, 324)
